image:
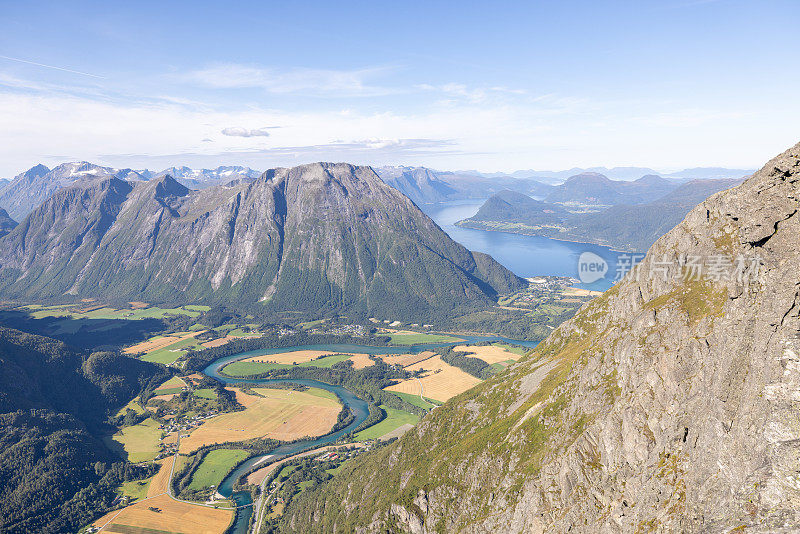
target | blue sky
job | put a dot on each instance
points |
(468, 85)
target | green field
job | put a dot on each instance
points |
(499, 365)
(285, 472)
(153, 312)
(522, 351)
(205, 393)
(215, 466)
(415, 400)
(414, 339)
(140, 443)
(394, 418)
(255, 368)
(171, 384)
(135, 489)
(133, 405)
(170, 353)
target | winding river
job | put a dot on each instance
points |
(357, 405)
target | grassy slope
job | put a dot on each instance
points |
(394, 419)
(215, 466)
(140, 442)
(170, 353)
(415, 400)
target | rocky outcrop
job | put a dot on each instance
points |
(316, 237)
(6, 223)
(669, 404)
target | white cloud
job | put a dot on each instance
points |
(322, 82)
(237, 131)
(474, 95)
(549, 131)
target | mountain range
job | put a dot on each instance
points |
(29, 189)
(632, 223)
(317, 237)
(425, 186)
(591, 188)
(668, 404)
(626, 173)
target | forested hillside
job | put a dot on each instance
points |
(54, 402)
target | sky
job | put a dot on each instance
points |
(492, 86)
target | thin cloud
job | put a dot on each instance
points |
(324, 82)
(473, 95)
(244, 132)
(63, 69)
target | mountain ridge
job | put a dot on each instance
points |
(666, 404)
(314, 237)
(624, 227)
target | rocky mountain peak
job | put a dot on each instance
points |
(36, 171)
(669, 404)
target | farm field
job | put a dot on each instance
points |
(394, 419)
(306, 358)
(172, 352)
(489, 353)
(415, 400)
(441, 381)
(136, 490)
(139, 442)
(159, 342)
(160, 482)
(170, 386)
(404, 360)
(282, 414)
(413, 338)
(166, 349)
(172, 517)
(205, 393)
(98, 311)
(215, 465)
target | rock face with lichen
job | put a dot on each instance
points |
(669, 404)
(319, 237)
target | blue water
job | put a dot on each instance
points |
(526, 256)
(358, 406)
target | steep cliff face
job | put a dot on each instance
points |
(668, 404)
(315, 237)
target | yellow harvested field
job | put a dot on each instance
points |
(281, 414)
(160, 483)
(136, 305)
(440, 382)
(159, 343)
(579, 292)
(490, 354)
(404, 360)
(218, 342)
(172, 516)
(360, 361)
(166, 397)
